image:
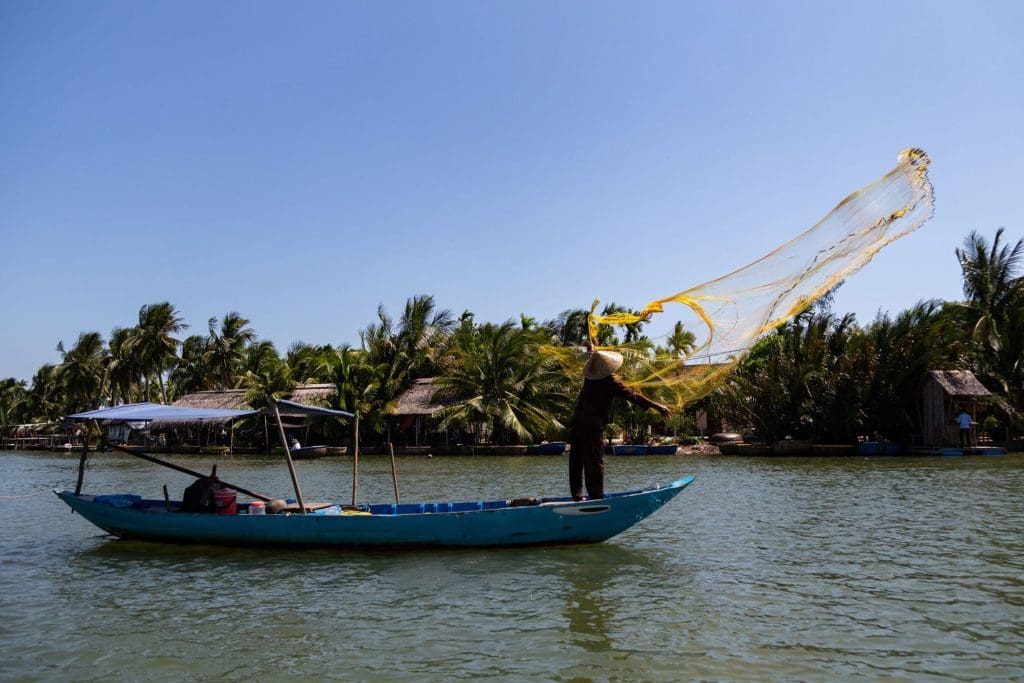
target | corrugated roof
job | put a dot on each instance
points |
(145, 412)
(959, 382)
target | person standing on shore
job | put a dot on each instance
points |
(593, 412)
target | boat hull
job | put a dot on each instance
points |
(554, 448)
(470, 524)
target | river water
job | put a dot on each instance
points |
(764, 569)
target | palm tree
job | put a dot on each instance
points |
(122, 370)
(194, 370)
(81, 372)
(992, 283)
(43, 396)
(13, 400)
(227, 345)
(570, 327)
(305, 362)
(266, 377)
(633, 331)
(681, 341)
(994, 289)
(152, 345)
(415, 348)
(1007, 364)
(794, 382)
(356, 389)
(897, 354)
(259, 356)
(500, 378)
(422, 333)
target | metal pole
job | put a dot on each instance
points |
(288, 457)
(355, 462)
(394, 472)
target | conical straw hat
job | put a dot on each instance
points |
(602, 364)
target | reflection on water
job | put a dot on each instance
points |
(763, 569)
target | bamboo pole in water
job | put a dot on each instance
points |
(288, 457)
(394, 472)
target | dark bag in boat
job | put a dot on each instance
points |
(199, 496)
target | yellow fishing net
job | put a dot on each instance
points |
(736, 309)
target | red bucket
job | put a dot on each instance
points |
(225, 501)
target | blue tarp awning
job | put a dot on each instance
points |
(145, 412)
(291, 407)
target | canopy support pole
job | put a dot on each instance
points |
(394, 472)
(355, 462)
(288, 457)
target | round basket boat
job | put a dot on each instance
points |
(729, 448)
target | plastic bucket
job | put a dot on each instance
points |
(225, 501)
(257, 507)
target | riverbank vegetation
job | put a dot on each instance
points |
(822, 377)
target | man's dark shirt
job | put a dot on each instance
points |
(594, 405)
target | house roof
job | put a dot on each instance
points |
(959, 383)
(234, 399)
(419, 398)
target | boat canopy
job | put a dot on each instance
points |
(293, 408)
(146, 412)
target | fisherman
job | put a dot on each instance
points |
(593, 411)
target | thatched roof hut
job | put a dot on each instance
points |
(234, 399)
(958, 383)
(944, 392)
(415, 406)
(419, 399)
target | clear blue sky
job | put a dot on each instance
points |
(301, 163)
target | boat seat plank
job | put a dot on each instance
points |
(294, 507)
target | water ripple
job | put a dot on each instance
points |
(765, 569)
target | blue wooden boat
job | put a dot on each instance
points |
(628, 449)
(553, 448)
(519, 522)
(516, 522)
(879, 448)
(643, 449)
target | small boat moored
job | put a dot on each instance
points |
(552, 448)
(309, 452)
